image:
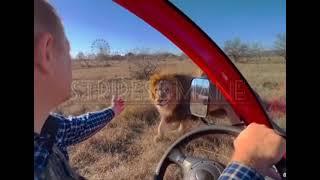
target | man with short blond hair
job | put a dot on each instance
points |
(53, 133)
(52, 62)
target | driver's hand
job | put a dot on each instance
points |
(117, 105)
(258, 147)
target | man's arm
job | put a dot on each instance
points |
(256, 150)
(74, 129)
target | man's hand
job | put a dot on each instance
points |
(117, 105)
(258, 147)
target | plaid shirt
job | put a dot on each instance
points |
(69, 131)
(237, 171)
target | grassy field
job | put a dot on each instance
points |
(125, 148)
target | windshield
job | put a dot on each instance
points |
(115, 53)
(253, 35)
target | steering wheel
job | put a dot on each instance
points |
(194, 168)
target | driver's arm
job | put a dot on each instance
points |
(256, 150)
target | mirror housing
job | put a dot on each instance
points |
(199, 97)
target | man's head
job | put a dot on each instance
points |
(52, 61)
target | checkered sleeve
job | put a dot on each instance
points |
(237, 171)
(75, 129)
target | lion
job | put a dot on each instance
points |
(170, 94)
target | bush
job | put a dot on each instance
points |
(143, 69)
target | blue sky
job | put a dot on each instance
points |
(251, 20)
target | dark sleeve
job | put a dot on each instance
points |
(236, 171)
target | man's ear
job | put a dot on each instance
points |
(43, 52)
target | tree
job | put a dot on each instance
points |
(80, 56)
(256, 49)
(280, 44)
(235, 49)
(144, 69)
(129, 54)
(91, 56)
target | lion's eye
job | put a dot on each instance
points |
(167, 90)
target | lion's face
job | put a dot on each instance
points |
(165, 94)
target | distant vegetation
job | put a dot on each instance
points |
(237, 50)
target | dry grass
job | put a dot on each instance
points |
(125, 148)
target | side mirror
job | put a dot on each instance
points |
(199, 97)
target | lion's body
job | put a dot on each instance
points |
(171, 96)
